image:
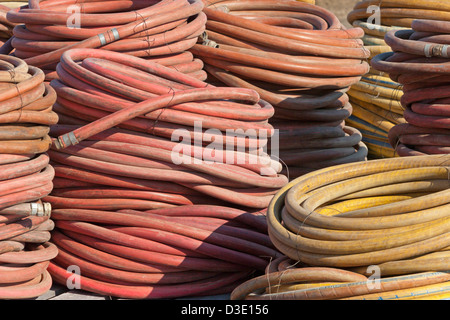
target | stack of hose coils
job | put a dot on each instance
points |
(163, 253)
(419, 62)
(138, 142)
(299, 58)
(286, 279)
(376, 98)
(389, 216)
(127, 122)
(158, 30)
(26, 177)
(6, 27)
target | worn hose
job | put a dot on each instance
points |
(161, 30)
(6, 26)
(285, 279)
(26, 177)
(25, 108)
(162, 253)
(155, 117)
(309, 217)
(25, 226)
(299, 58)
(419, 64)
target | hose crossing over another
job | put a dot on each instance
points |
(299, 58)
(158, 30)
(375, 98)
(419, 63)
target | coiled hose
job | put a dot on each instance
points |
(163, 253)
(401, 13)
(375, 98)
(26, 177)
(25, 108)
(286, 279)
(6, 26)
(392, 213)
(154, 113)
(298, 57)
(419, 63)
(158, 30)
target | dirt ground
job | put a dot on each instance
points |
(339, 7)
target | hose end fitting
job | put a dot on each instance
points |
(66, 140)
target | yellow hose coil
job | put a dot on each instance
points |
(415, 224)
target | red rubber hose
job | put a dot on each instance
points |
(155, 30)
(160, 253)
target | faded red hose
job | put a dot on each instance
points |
(151, 98)
(419, 63)
(156, 30)
(26, 177)
(300, 59)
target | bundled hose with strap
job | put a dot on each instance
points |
(419, 62)
(286, 279)
(159, 30)
(392, 213)
(299, 58)
(164, 253)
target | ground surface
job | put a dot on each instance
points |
(339, 7)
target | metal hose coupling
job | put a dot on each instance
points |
(66, 140)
